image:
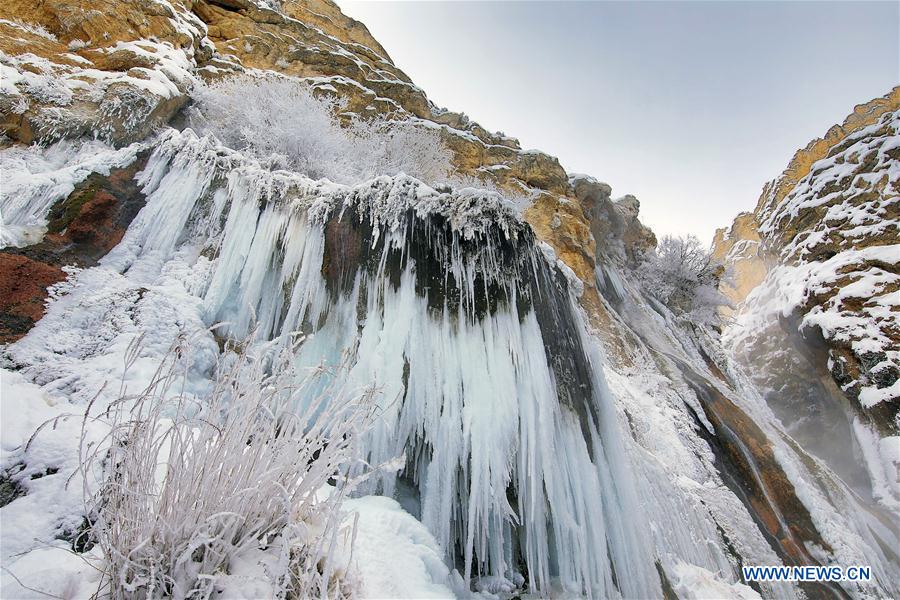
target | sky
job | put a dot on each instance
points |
(690, 106)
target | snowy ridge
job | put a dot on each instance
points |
(840, 268)
(875, 144)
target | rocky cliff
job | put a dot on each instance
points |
(816, 285)
(831, 218)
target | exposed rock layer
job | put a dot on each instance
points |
(82, 228)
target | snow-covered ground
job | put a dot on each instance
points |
(392, 554)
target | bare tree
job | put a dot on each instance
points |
(287, 124)
(682, 275)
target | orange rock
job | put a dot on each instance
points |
(23, 289)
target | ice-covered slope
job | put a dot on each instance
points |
(448, 306)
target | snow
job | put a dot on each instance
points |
(509, 448)
(299, 130)
(870, 396)
(690, 511)
(789, 287)
(413, 568)
(394, 554)
(53, 572)
(846, 294)
(41, 462)
(121, 102)
(742, 249)
(696, 583)
(31, 28)
(688, 506)
(211, 244)
(882, 459)
(172, 71)
(25, 406)
(387, 553)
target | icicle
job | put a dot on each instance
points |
(449, 308)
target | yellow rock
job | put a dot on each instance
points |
(740, 248)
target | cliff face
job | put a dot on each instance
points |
(815, 283)
(821, 250)
(741, 250)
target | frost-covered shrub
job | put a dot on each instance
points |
(281, 121)
(198, 488)
(681, 274)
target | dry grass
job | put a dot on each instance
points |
(191, 483)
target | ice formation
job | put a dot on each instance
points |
(448, 307)
(508, 416)
(35, 178)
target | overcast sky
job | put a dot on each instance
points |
(690, 106)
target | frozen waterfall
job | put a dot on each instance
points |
(501, 422)
(446, 304)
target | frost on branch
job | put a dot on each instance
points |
(284, 123)
(680, 274)
(194, 491)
